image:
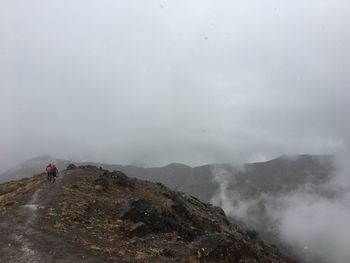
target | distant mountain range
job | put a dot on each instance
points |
(282, 174)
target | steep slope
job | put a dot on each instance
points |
(97, 216)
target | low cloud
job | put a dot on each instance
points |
(311, 221)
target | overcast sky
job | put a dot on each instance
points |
(153, 82)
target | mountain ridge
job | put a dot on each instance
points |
(100, 216)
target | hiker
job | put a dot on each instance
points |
(54, 172)
(49, 171)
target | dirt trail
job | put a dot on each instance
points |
(22, 240)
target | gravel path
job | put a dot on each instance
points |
(22, 240)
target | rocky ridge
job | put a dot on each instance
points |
(127, 220)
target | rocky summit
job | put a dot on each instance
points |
(93, 215)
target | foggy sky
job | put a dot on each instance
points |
(153, 82)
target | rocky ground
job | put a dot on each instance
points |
(92, 215)
(21, 237)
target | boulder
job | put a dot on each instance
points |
(142, 211)
(214, 246)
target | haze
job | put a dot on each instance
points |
(153, 82)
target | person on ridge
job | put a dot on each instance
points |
(54, 172)
(49, 171)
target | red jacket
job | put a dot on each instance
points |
(49, 169)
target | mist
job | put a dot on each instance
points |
(309, 222)
(157, 82)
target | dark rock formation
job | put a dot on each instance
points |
(71, 166)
